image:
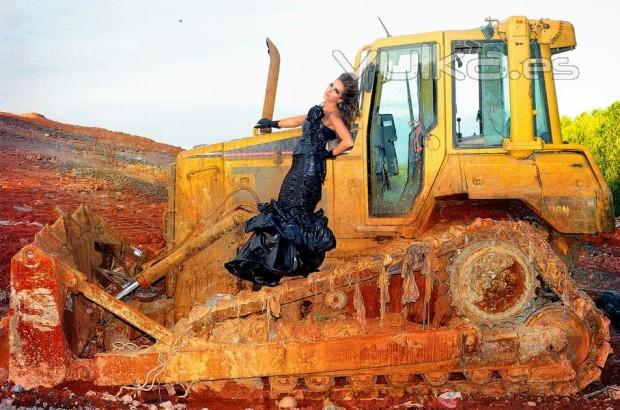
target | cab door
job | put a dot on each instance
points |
(398, 147)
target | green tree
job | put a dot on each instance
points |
(599, 130)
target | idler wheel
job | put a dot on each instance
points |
(577, 333)
(492, 282)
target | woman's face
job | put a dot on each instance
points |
(334, 91)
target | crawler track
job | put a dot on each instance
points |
(557, 317)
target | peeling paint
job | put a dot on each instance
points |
(15, 344)
(37, 307)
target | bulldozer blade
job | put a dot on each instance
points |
(38, 352)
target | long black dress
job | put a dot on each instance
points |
(289, 238)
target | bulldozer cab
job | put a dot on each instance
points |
(436, 106)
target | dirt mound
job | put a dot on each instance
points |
(46, 164)
(32, 115)
(40, 128)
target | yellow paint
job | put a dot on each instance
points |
(556, 181)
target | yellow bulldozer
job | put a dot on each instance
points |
(457, 215)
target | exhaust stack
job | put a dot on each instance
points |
(272, 81)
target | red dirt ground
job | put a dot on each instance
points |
(47, 164)
(123, 179)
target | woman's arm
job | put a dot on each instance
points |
(344, 135)
(292, 122)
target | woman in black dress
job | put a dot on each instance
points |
(289, 238)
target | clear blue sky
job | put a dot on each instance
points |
(134, 66)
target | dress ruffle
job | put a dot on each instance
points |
(285, 242)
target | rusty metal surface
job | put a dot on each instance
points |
(247, 302)
(191, 246)
(100, 297)
(552, 270)
(230, 361)
(37, 344)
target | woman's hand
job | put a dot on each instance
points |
(266, 123)
(325, 154)
(290, 122)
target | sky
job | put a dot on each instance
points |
(194, 72)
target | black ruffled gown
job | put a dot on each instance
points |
(289, 238)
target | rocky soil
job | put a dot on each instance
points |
(123, 178)
(47, 164)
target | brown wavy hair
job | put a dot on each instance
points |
(349, 107)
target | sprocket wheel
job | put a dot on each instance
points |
(492, 282)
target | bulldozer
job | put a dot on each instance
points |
(457, 215)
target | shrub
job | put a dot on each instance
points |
(599, 130)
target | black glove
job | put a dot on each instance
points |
(325, 154)
(266, 123)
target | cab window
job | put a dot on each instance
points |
(403, 110)
(481, 103)
(540, 106)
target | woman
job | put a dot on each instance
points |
(289, 238)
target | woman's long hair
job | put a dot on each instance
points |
(349, 107)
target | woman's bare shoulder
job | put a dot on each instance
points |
(334, 115)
